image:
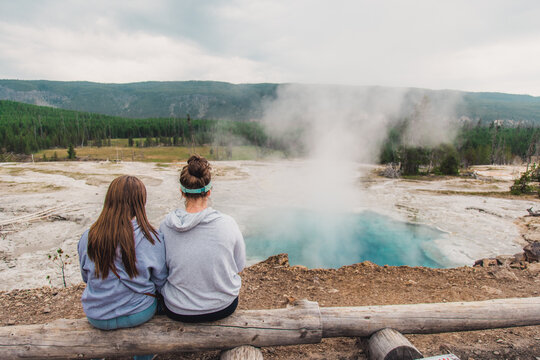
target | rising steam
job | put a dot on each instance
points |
(338, 127)
(352, 122)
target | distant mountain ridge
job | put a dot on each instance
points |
(221, 100)
(200, 99)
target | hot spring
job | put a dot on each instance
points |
(330, 240)
(288, 207)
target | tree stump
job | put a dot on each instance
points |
(388, 344)
(242, 353)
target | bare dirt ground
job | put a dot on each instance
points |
(270, 284)
(478, 215)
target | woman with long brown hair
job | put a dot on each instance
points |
(122, 260)
(205, 251)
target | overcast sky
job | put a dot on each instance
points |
(466, 45)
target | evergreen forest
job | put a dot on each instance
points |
(473, 145)
(26, 129)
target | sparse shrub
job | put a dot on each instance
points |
(60, 260)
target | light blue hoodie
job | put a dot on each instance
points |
(205, 252)
(112, 297)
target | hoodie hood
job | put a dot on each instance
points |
(181, 220)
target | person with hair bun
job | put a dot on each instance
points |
(205, 251)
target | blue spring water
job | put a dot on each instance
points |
(321, 240)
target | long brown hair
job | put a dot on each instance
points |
(195, 175)
(125, 199)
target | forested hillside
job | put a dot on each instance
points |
(488, 107)
(220, 100)
(200, 99)
(27, 128)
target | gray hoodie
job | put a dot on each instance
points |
(204, 253)
(112, 297)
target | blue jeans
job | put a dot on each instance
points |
(126, 322)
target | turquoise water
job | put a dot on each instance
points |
(319, 240)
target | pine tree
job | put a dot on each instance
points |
(71, 152)
(450, 164)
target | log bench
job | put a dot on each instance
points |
(303, 323)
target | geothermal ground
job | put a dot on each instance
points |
(479, 220)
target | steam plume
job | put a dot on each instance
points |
(337, 127)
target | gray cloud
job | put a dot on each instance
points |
(480, 45)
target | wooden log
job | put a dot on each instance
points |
(245, 352)
(61, 339)
(301, 324)
(430, 318)
(388, 344)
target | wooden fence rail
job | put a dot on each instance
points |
(304, 323)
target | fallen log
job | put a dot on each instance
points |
(430, 318)
(302, 324)
(68, 339)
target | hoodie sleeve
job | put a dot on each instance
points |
(81, 249)
(239, 249)
(159, 271)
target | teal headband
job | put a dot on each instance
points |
(196, 191)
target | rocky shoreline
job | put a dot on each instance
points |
(528, 259)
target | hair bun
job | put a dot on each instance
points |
(197, 166)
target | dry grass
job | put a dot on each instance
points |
(160, 154)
